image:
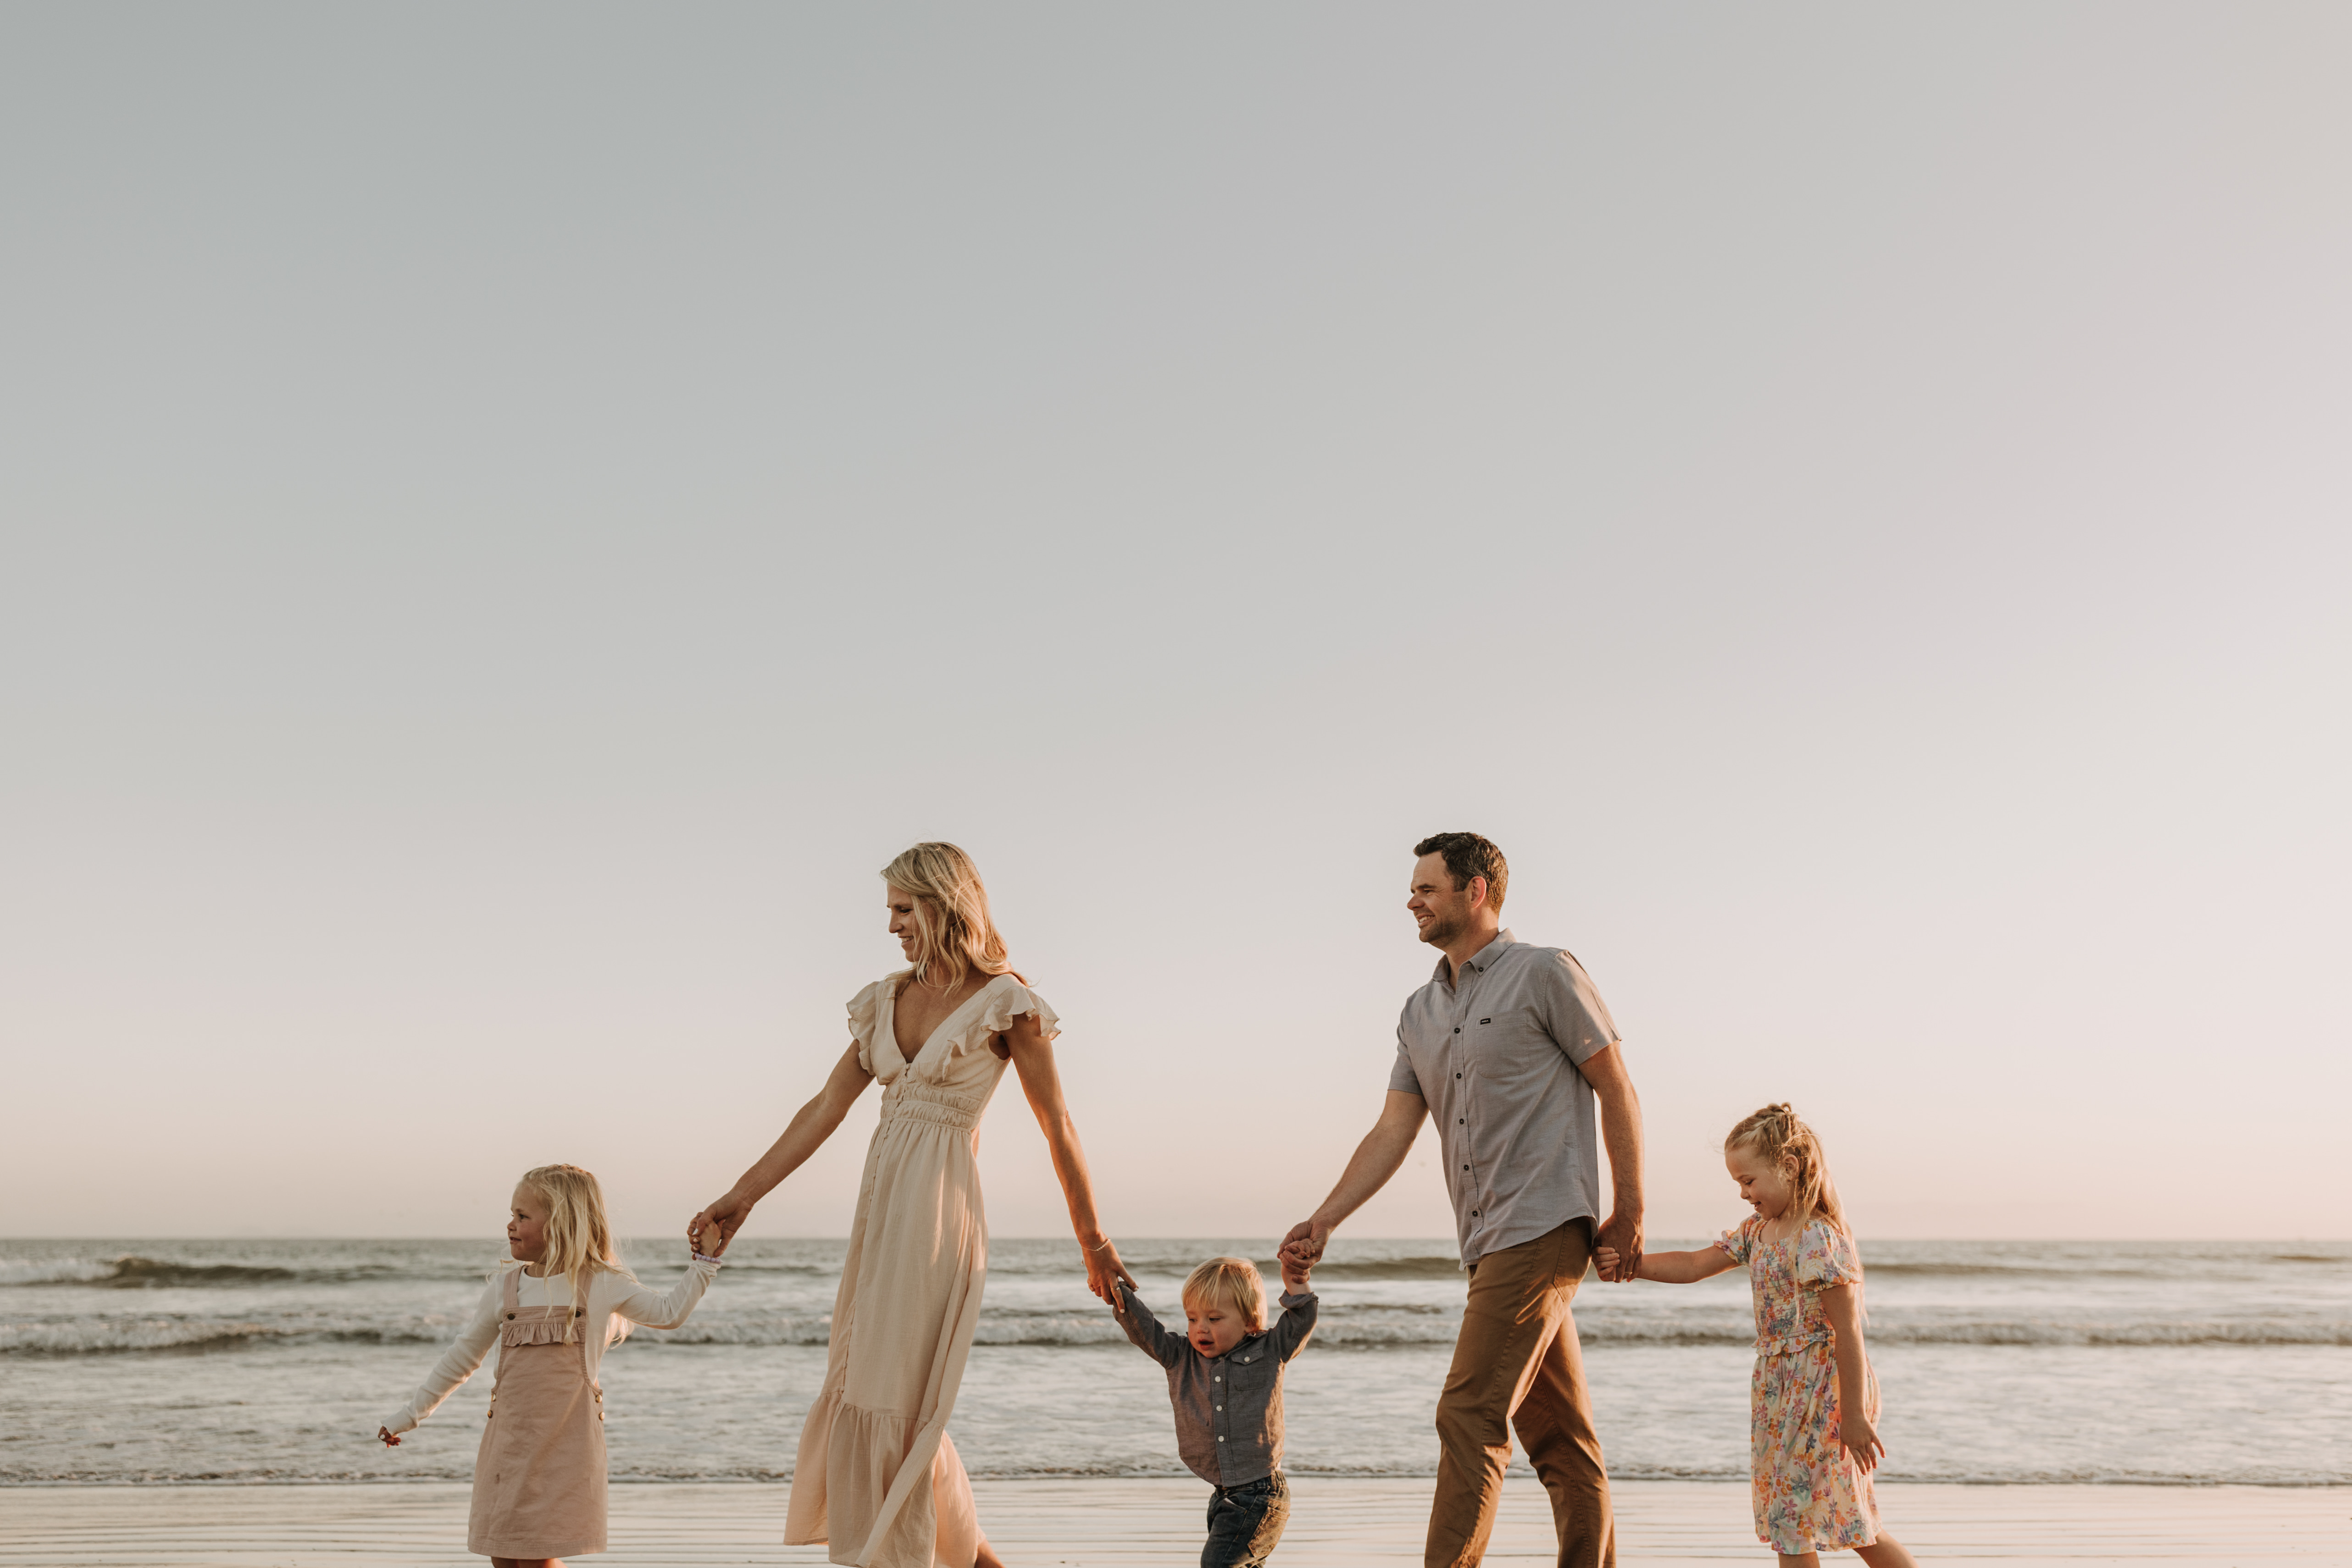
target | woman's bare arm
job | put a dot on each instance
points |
(810, 1128)
(1041, 1080)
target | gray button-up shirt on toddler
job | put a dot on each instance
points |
(1228, 1408)
(1496, 1057)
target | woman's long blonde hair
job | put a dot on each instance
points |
(579, 1235)
(1779, 1136)
(953, 933)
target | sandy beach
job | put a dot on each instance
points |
(1079, 1524)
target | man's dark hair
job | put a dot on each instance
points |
(1468, 855)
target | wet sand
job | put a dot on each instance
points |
(1335, 1523)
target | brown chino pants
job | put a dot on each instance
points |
(1517, 1365)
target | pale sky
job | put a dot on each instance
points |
(514, 516)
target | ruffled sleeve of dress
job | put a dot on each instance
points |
(1826, 1257)
(1005, 1000)
(865, 1011)
(1740, 1238)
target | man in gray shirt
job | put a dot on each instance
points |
(1510, 1048)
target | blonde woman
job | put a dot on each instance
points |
(878, 1479)
(550, 1309)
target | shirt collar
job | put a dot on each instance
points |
(1480, 961)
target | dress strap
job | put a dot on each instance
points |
(513, 1301)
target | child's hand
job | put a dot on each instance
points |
(1604, 1261)
(389, 1440)
(1860, 1440)
(1294, 1274)
(710, 1243)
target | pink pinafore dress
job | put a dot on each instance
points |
(538, 1480)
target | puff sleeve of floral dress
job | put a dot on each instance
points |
(1810, 1496)
(878, 1480)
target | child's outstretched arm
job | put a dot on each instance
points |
(1298, 1311)
(662, 1309)
(458, 1364)
(1668, 1268)
(1144, 1329)
(1855, 1430)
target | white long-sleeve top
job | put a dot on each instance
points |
(609, 1296)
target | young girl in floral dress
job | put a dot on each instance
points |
(1812, 1438)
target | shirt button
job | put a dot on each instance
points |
(1466, 1167)
(1461, 1120)
(1457, 1028)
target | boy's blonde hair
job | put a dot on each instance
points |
(1780, 1138)
(579, 1237)
(1231, 1282)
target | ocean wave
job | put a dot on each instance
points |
(2151, 1269)
(1384, 1268)
(1385, 1330)
(1359, 1329)
(116, 1336)
(133, 1272)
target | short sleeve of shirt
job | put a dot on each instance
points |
(1826, 1257)
(1738, 1239)
(1403, 1079)
(1573, 1012)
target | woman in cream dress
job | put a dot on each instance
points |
(878, 1479)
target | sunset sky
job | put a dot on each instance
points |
(510, 517)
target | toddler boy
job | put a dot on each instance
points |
(1224, 1378)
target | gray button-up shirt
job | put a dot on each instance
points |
(1228, 1408)
(1496, 1058)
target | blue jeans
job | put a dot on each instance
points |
(1245, 1522)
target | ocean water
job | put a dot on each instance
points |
(2020, 1362)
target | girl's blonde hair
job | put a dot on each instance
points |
(1233, 1283)
(1781, 1137)
(579, 1237)
(953, 933)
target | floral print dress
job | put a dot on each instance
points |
(1809, 1495)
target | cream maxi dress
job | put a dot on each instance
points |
(877, 1478)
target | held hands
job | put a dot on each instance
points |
(1860, 1439)
(385, 1433)
(1303, 1248)
(1104, 1270)
(710, 1232)
(1617, 1247)
(1294, 1273)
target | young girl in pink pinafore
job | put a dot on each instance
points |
(539, 1480)
(1814, 1415)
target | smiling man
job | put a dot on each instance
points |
(1511, 1048)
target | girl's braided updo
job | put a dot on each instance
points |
(1781, 1137)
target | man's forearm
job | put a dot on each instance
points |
(1377, 1158)
(1620, 1134)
